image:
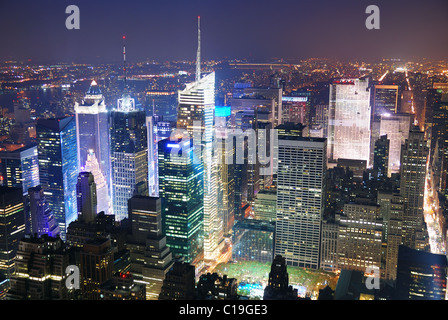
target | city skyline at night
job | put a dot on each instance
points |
(243, 151)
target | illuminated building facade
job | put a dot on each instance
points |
(349, 120)
(300, 197)
(385, 100)
(396, 127)
(40, 272)
(414, 153)
(196, 113)
(420, 275)
(253, 240)
(129, 156)
(151, 259)
(328, 251)
(41, 218)
(181, 188)
(96, 267)
(359, 238)
(392, 211)
(58, 167)
(20, 168)
(265, 205)
(12, 223)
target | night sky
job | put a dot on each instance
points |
(261, 29)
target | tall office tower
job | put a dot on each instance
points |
(420, 275)
(179, 283)
(86, 197)
(359, 240)
(396, 127)
(128, 150)
(295, 109)
(278, 287)
(41, 218)
(129, 155)
(265, 205)
(226, 177)
(349, 120)
(300, 197)
(328, 246)
(181, 188)
(41, 270)
(381, 157)
(385, 100)
(437, 128)
(391, 210)
(196, 113)
(58, 167)
(20, 168)
(164, 103)
(151, 259)
(12, 223)
(96, 267)
(92, 133)
(414, 153)
(103, 202)
(253, 240)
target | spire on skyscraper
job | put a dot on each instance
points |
(124, 62)
(198, 53)
(126, 103)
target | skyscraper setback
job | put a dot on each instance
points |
(196, 114)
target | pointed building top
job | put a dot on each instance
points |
(198, 53)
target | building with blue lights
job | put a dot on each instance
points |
(58, 167)
(181, 189)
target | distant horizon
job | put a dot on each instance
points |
(293, 29)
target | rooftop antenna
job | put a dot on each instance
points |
(198, 53)
(124, 64)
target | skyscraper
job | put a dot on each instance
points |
(414, 154)
(300, 197)
(92, 133)
(86, 196)
(181, 188)
(359, 239)
(385, 100)
(396, 127)
(196, 113)
(96, 267)
(12, 226)
(151, 259)
(42, 219)
(20, 168)
(129, 156)
(349, 120)
(58, 167)
(381, 157)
